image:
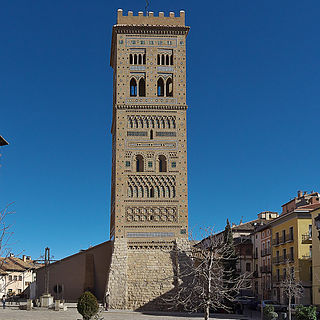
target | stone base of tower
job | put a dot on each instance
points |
(142, 275)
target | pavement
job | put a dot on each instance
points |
(72, 314)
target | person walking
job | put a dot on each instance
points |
(3, 301)
(106, 301)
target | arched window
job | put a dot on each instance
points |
(171, 59)
(158, 192)
(162, 59)
(131, 59)
(135, 59)
(140, 59)
(168, 123)
(160, 85)
(169, 88)
(144, 59)
(130, 192)
(167, 60)
(152, 123)
(162, 164)
(173, 192)
(151, 192)
(158, 59)
(168, 191)
(130, 123)
(141, 122)
(151, 134)
(142, 87)
(163, 192)
(133, 87)
(139, 163)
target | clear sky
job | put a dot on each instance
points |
(253, 120)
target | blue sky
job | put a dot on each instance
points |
(253, 93)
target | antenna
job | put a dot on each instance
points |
(146, 7)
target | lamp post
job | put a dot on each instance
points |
(317, 223)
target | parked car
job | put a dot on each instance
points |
(277, 307)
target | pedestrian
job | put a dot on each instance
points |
(3, 302)
(106, 300)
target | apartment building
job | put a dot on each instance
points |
(292, 244)
(315, 216)
(16, 275)
(261, 239)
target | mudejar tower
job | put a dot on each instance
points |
(149, 195)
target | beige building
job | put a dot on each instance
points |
(16, 275)
(149, 197)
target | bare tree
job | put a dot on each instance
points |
(292, 288)
(202, 281)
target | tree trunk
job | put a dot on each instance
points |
(207, 312)
(289, 308)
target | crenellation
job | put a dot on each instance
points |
(151, 19)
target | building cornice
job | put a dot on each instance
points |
(150, 29)
(150, 107)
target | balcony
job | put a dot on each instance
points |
(265, 269)
(282, 259)
(289, 237)
(265, 252)
(307, 256)
(307, 238)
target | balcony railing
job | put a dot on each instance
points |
(281, 239)
(265, 269)
(282, 259)
(307, 238)
(265, 252)
(306, 256)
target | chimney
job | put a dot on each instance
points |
(29, 258)
(299, 193)
(11, 255)
(24, 258)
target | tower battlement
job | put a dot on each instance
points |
(150, 19)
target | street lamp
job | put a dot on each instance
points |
(317, 223)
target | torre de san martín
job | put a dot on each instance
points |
(138, 268)
(149, 194)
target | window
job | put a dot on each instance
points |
(169, 88)
(277, 238)
(9, 290)
(248, 266)
(127, 163)
(278, 256)
(310, 251)
(173, 164)
(151, 134)
(151, 192)
(10, 278)
(162, 164)
(20, 278)
(19, 291)
(139, 163)
(149, 164)
(142, 87)
(291, 254)
(133, 88)
(284, 273)
(160, 86)
(291, 233)
(284, 254)
(310, 231)
(283, 236)
(15, 278)
(278, 274)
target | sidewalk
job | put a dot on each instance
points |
(72, 314)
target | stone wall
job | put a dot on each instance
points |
(143, 275)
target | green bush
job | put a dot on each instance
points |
(87, 305)
(306, 313)
(268, 313)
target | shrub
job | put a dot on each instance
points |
(268, 313)
(306, 313)
(87, 305)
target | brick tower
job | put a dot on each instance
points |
(149, 195)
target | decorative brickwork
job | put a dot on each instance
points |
(149, 195)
